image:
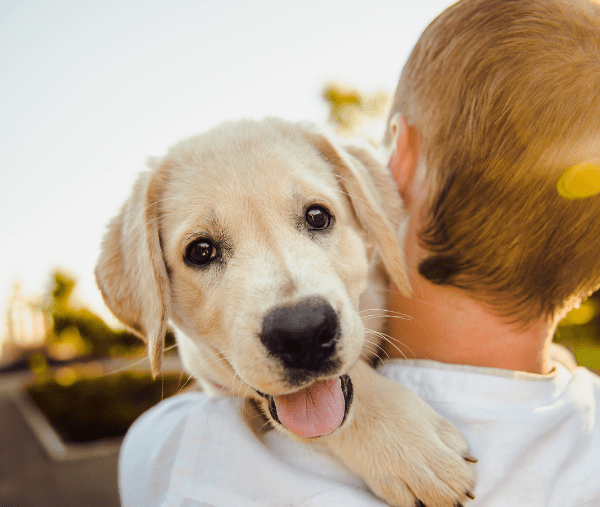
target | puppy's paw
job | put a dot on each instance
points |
(428, 466)
(406, 452)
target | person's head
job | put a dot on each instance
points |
(502, 97)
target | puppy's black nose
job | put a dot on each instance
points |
(302, 335)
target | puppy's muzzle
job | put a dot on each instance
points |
(303, 336)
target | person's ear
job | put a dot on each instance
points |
(405, 155)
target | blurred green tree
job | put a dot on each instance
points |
(77, 331)
(354, 113)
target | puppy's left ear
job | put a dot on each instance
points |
(375, 200)
(131, 272)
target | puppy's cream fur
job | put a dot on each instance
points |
(247, 185)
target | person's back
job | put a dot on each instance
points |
(494, 137)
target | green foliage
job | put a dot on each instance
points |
(342, 102)
(583, 314)
(61, 292)
(79, 332)
(80, 400)
(579, 331)
(38, 364)
(350, 108)
(98, 337)
(92, 408)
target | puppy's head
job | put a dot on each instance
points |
(255, 240)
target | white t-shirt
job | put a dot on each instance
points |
(537, 439)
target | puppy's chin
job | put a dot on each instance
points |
(313, 411)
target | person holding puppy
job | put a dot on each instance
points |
(494, 143)
(494, 136)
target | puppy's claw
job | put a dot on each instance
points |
(470, 495)
(458, 504)
(420, 504)
(470, 458)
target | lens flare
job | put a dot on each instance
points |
(581, 180)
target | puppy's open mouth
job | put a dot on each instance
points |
(316, 410)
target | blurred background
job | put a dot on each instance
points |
(88, 91)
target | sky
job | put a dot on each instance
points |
(90, 90)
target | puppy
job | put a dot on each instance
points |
(258, 240)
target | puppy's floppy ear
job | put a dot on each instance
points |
(131, 272)
(375, 201)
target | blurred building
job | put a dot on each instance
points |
(26, 326)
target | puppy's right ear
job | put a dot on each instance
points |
(375, 201)
(131, 272)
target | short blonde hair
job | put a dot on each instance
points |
(505, 95)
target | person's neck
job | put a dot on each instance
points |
(443, 324)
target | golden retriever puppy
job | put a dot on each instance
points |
(257, 240)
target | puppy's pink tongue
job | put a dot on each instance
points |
(313, 411)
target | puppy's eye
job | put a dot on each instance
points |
(200, 252)
(318, 217)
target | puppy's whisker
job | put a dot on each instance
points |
(382, 310)
(374, 354)
(243, 405)
(251, 417)
(266, 424)
(392, 342)
(400, 317)
(216, 366)
(385, 313)
(232, 379)
(247, 389)
(143, 360)
(377, 346)
(214, 360)
(368, 345)
(191, 379)
(207, 362)
(375, 349)
(201, 366)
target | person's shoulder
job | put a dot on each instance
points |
(166, 422)
(576, 444)
(586, 384)
(170, 411)
(592, 377)
(153, 442)
(585, 391)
